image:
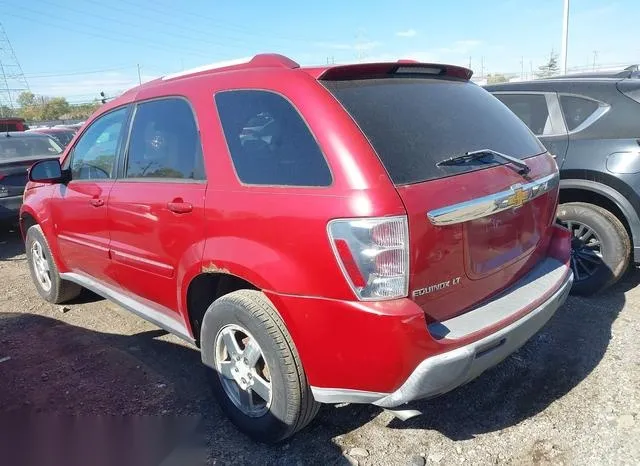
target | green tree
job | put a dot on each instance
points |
(26, 99)
(496, 78)
(6, 111)
(550, 68)
(54, 108)
(82, 111)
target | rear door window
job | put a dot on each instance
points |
(576, 110)
(268, 140)
(415, 123)
(165, 142)
(532, 109)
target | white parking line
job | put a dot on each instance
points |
(5, 359)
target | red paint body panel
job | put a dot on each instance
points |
(145, 243)
(148, 241)
(81, 228)
(440, 253)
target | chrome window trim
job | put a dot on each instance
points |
(511, 198)
(555, 113)
(553, 109)
(603, 109)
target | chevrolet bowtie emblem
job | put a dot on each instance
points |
(519, 197)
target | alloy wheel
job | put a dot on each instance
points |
(41, 265)
(243, 370)
(586, 250)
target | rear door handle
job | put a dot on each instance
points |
(97, 202)
(179, 207)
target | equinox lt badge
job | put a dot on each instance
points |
(437, 287)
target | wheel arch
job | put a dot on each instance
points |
(204, 289)
(593, 192)
(30, 217)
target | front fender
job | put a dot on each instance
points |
(36, 204)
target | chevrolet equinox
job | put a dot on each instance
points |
(369, 233)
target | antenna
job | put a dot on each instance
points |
(12, 80)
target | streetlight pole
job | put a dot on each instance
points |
(565, 38)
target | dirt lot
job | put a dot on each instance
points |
(570, 396)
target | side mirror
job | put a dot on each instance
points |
(46, 171)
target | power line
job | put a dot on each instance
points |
(77, 73)
(172, 12)
(113, 38)
(129, 25)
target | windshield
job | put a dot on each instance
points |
(415, 123)
(16, 147)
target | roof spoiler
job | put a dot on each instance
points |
(403, 68)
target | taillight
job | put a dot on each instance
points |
(373, 254)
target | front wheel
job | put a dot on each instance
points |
(600, 248)
(257, 375)
(44, 271)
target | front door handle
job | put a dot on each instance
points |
(97, 202)
(179, 207)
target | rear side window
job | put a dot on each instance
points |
(531, 109)
(576, 110)
(165, 142)
(415, 123)
(269, 142)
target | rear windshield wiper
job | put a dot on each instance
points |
(478, 154)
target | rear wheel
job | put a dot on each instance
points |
(257, 378)
(600, 248)
(44, 272)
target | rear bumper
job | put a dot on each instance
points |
(446, 371)
(385, 354)
(10, 207)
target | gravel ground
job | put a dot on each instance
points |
(570, 396)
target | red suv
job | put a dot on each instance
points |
(368, 233)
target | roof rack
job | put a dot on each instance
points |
(263, 60)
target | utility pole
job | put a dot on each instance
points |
(469, 62)
(595, 57)
(531, 68)
(482, 67)
(139, 76)
(522, 68)
(565, 38)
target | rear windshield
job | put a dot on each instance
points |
(63, 137)
(415, 123)
(16, 147)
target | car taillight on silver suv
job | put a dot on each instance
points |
(373, 254)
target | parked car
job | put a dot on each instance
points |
(12, 124)
(18, 151)
(63, 136)
(391, 239)
(591, 126)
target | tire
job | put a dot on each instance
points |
(59, 290)
(614, 246)
(292, 406)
